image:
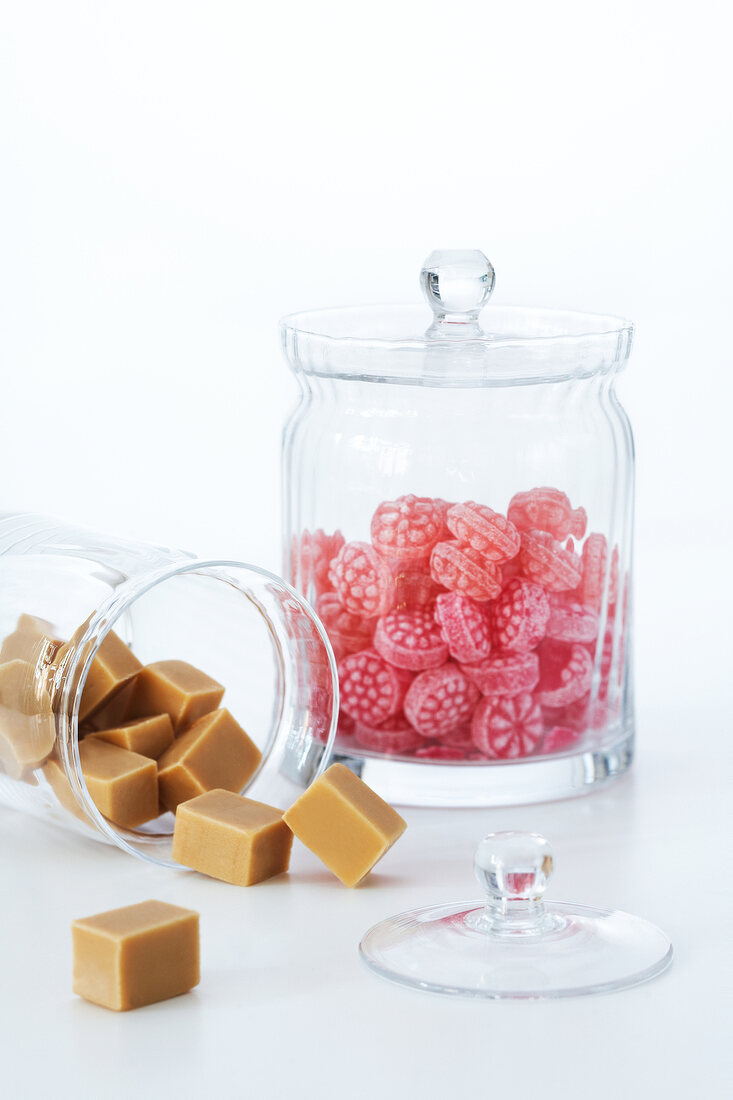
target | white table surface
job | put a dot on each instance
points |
(286, 1007)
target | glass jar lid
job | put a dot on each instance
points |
(468, 343)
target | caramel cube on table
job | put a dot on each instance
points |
(214, 753)
(146, 736)
(175, 688)
(345, 823)
(231, 838)
(123, 785)
(113, 667)
(137, 955)
(27, 726)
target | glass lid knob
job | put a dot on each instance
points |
(457, 284)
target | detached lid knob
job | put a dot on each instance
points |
(514, 868)
(457, 283)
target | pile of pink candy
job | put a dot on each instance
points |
(464, 634)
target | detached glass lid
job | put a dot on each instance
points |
(468, 341)
(513, 943)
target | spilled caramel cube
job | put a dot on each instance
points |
(175, 688)
(214, 753)
(137, 955)
(345, 823)
(231, 838)
(113, 667)
(27, 726)
(147, 736)
(123, 785)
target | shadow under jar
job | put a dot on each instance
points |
(458, 505)
(66, 591)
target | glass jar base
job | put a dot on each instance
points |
(501, 783)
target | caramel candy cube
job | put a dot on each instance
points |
(231, 838)
(136, 955)
(112, 714)
(32, 641)
(175, 688)
(345, 823)
(112, 668)
(147, 736)
(214, 753)
(27, 727)
(123, 785)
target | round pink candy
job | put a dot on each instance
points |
(485, 530)
(371, 690)
(464, 626)
(440, 700)
(566, 672)
(460, 568)
(548, 563)
(362, 580)
(571, 622)
(410, 639)
(519, 616)
(507, 727)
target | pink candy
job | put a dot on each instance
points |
(548, 563)
(408, 528)
(595, 557)
(571, 622)
(547, 510)
(410, 639)
(440, 700)
(363, 582)
(464, 626)
(519, 615)
(462, 569)
(311, 557)
(371, 689)
(505, 673)
(487, 531)
(507, 727)
(395, 735)
(347, 633)
(566, 672)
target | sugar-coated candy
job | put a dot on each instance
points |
(410, 639)
(312, 555)
(566, 672)
(371, 689)
(347, 633)
(519, 616)
(362, 580)
(560, 738)
(547, 510)
(440, 700)
(464, 626)
(395, 735)
(571, 622)
(548, 563)
(595, 561)
(477, 526)
(506, 727)
(505, 673)
(460, 568)
(408, 528)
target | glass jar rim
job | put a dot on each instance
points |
(516, 345)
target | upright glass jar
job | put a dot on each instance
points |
(458, 504)
(63, 589)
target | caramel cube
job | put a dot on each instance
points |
(147, 736)
(345, 823)
(123, 785)
(175, 688)
(136, 955)
(113, 713)
(32, 641)
(112, 668)
(214, 753)
(27, 727)
(231, 838)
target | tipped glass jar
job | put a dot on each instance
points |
(458, 502)
(81, 613)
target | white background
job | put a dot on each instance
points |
(176, 176)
